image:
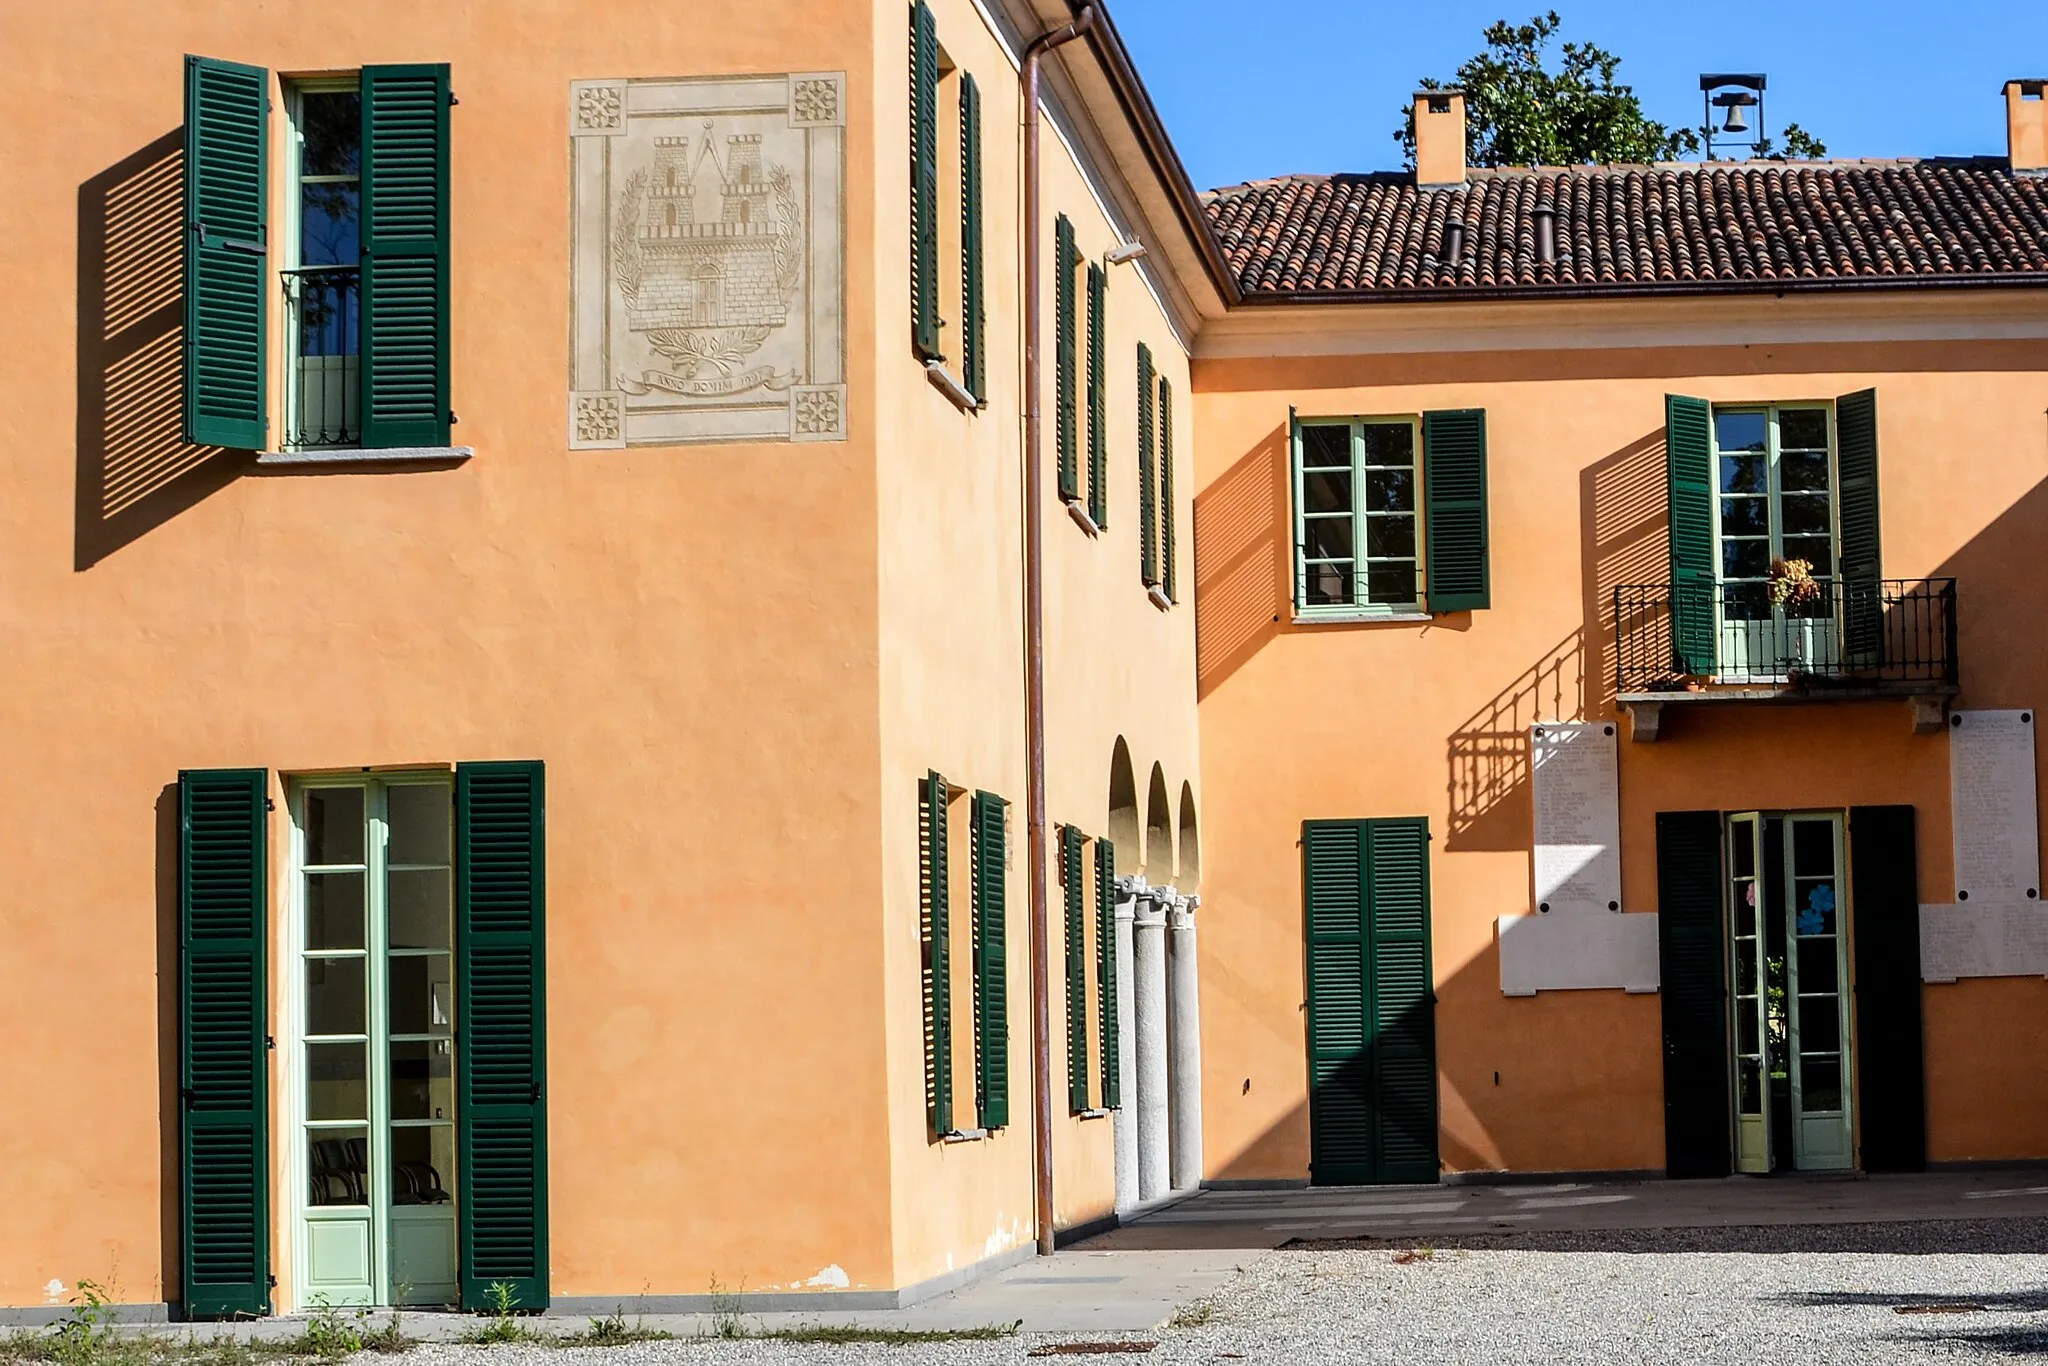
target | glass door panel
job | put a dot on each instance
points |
(376, 1012)
(1819, 1018)
(1746, 986)
(1775, 504)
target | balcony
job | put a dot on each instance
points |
(1705, 643)
(323, 382)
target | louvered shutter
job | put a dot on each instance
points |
(501, 1031)
(1691, 946)
(1340, 1109)
(924, 180)
(227, 275)
(1148, 509)
(973, 311)
(991, 961)
(1105, 974)
(1064, 414)
(1074, 872)
(1861, 571)
(404, 365)
(1689, 493)
(1403, 1010)
(224, 1158)
(1166, 504)
(1891, 1070)
(938, 964)
(1454, 494)
(1098, 396)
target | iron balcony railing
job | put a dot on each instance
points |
(323, 319)
(1880, 634)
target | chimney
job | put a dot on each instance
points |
(1439, 138)
(2026, 126)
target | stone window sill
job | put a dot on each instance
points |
(1079, 512)
(964, 1136)
(390, 455)
(1357, 618)
(1159, 598)
(1093, 1114)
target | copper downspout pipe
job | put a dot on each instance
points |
(1034, 640)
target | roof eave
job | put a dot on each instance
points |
(1656, 290)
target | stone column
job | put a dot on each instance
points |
(1184, 1003)
(1148, 929)
(1125, 1122)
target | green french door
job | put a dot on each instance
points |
(374, 1007)
(1371, 1002)
(1788, 971)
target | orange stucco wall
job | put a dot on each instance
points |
(735, 660)
(1332, 721)
(687, 637)
(952, 663)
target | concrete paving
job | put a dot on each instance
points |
(1224, 1219)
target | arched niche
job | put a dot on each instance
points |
(1123, 809)
(1158, 830)
(1188, 872)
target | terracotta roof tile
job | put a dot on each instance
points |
(1762, 225)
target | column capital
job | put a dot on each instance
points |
(1182, 912)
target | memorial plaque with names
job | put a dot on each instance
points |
(1983, 939)
(1992, 806)
(1578, 817)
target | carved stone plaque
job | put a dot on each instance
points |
(1995, 819)
(1578, 817)
(707, 260)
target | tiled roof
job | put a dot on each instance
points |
(1624, 229)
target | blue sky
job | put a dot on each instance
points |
(1280, 86)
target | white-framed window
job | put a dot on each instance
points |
(370, 1042)
(1358, 528)
(1776, 520)
(322, 272)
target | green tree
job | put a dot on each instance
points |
(1520, 113)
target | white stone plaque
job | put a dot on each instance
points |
(1983, 939)
(1577, 953)
(707, 260)
(1992, 806)
(1578, 817)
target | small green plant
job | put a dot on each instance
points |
(726, 1319)
(612, 1330)
(86, 1333)
(1194, 1315)
(502, 1326)
(330, 1336)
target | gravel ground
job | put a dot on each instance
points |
(1979, 1292)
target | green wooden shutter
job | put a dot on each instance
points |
(973, 312)
(1148, 511)
(1098, 396)
(1691, 944)
(1891, 1068)
(227, 275)
(1371, 1001)
(404, 368)
(1105, 974)
(938, 964)
(924, 180)
(224, 1157)
(1862, 587)
(1064, 262)
(1403, 1000)
(1454, 494)
(1074, 873)
(1166, 504)
(501, 1031)
(1689, 491)
(991, 961)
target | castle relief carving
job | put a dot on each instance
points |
(708, 260)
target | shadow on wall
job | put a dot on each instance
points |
(135, 471)
(1490, 749)
(1242, 554)
(1623, 539)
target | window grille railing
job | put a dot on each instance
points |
(323, 320)
(1882, 634)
